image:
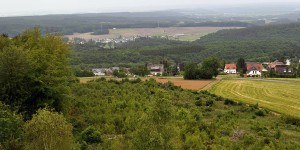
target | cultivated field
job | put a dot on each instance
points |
(282, 97)
(190, 33)
(178, 81)
(188, 84)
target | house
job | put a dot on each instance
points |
(283, 69)
(272, 65)
(230, 68)
(254, 69)
(99, 71)
(156, 69)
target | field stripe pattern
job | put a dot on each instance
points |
(279, 97)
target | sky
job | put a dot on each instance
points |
(42, 7)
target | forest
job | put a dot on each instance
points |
(43, 106)
(258, 44)
(102, 22)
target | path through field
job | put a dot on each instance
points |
(279, 96)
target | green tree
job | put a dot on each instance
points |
(191, 71)
(10, 129)
(48, 130)
(241, 66)
(210, 66)
(34, 72)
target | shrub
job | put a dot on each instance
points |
(229, 102)
(209, 102)
(198, 103)
(91, 135)
(260, 113)
(48, 130)
(292, 120)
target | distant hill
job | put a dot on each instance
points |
(100, 22)
(254, 43)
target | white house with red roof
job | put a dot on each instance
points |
(230, 68)
(254, 69)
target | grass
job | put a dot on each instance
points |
(276, 96)
(285, 79)
(190, 33)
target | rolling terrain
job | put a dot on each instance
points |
(279, 96)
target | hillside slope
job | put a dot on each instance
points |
(254, 43)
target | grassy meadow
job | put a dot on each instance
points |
(190, 33)
(280, 97)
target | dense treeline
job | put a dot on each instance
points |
(43, 107)
(260, 44)
(101, 23)
(264, 43)
(268, 32)
(138, 52)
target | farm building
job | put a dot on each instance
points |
(99, 71)
(156, 69)
(280, 67)
(283, 69)
(230, 68)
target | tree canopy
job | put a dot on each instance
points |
(34, 71)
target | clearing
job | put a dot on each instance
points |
(186, 33)
(282, 97)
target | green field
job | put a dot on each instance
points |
(190, 33)
(286, 79)
(281, 97)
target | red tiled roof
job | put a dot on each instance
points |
(230, 66)
(254, 66)
(274, 64)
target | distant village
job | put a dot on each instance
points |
(154, 70)
(251, 69)
(258, 69)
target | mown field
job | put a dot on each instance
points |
(281, 97)
(190, 33)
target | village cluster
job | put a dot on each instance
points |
(154, 70)
(257, 69)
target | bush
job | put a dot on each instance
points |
(48, 130)
(209, 102)
(198, 103)
(292, 120)
(229, 102)
(260, 113)
(91, 135)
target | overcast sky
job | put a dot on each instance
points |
(41, 7)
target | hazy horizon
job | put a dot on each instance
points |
(45, 7)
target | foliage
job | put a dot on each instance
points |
(10, 129)
(241, 66)
(150, 115)
(48, 130)
(91, 135)
(207, 70)
(34, 71)
(122, 73)
(140, 70)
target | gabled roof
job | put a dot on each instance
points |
(254, 66)
(274, 64)
(230, 66)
